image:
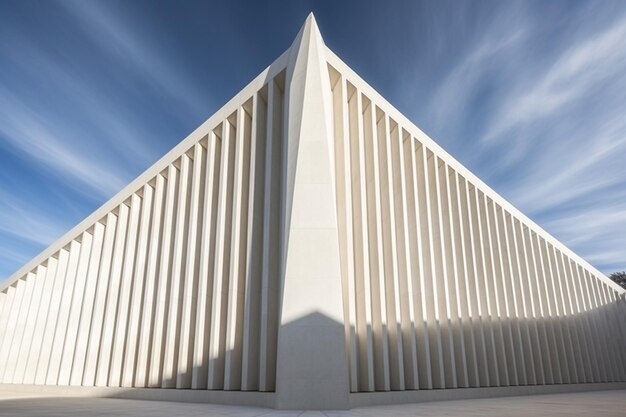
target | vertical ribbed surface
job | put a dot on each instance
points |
(445, 288)
(174, 287)
(177, 282)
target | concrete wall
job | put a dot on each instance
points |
(310, 242)
(175, 284)
(446, 285)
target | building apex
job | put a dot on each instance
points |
(309, 33)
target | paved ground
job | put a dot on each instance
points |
(585, 404)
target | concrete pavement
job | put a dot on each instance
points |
(583, 404)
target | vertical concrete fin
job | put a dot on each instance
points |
(312, 368)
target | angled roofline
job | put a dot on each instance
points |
(337, 63)
(309, 32)
(200, 132)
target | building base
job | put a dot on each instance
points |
(268, 399)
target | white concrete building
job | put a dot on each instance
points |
(309, 247)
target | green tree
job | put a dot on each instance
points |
(619, 278)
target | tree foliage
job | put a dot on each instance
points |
(619, 278)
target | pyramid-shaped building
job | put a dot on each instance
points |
(309, 247)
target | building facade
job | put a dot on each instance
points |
(309, 247)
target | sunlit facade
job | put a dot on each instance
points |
(306, 247)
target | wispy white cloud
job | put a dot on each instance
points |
(75, 125)
(575, 167)
(570, 77)
(25, 230)
(548, 130)
(453, 93)
(610, 257)
(554, 144)
(98, 115)
(596, 232)
(30, 134)
(579, 227)
(118, 39)
(27, 222)
(9, 255)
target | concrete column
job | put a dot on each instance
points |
(139, 279)
(312, 365)
(98, 315)
(71, 334)
(190, 286)
(40, 322)
(88, 306)
(206, 260)
(150, 292)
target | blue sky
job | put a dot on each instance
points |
(530, 96)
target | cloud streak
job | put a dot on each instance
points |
(543, 122)
(530, 97)
(27, 132)
(118, 39)
(574, 73)
(79, 127)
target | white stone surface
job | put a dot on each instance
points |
(305, 245)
